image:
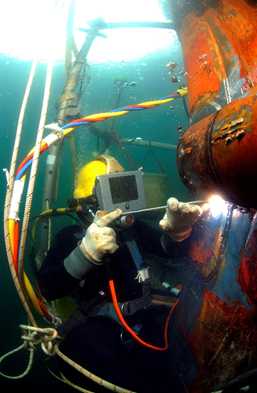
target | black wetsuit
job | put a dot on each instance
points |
(99, 342)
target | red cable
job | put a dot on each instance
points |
(131, 331)
(43, 148)
(16, 235)
(102, 118)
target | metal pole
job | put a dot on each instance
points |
(68, 101)
(148, 143)
(134, 25)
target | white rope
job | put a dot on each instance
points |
(10, 184)
(28, 368)
(33, 336)
(63, 379)
(46, 337)
(102, 382)
(34, 168)
(18, 136)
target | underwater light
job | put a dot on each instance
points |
(33, 30)
(37, 29)
(124, 44)
(217, 205)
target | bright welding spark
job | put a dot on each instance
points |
(217, 205)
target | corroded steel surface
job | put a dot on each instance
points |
(218, 153)
(215, 336)
(219, 42)
(224, 338)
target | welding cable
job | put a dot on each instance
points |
(14, 241)
(11, 227)
(28, 160)
(66, 129)
(18, 245)
(126, 109)
(60, 211)
(131, 331)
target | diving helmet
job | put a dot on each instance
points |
(85, 180)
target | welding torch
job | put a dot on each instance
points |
(159, 208)
(127, 218)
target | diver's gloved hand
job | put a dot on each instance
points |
(179, 219)
(99, 238)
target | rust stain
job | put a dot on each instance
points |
(247, 276)
(216, 42)
(224, 341)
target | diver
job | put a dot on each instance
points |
(82, 261)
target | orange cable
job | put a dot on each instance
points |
(131, 331)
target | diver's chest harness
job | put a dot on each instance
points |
(118, 311)
(98, 306)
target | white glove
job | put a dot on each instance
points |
(180, 218)
(99, 238)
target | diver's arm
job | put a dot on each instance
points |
(68, 262)
(100, 238)
(177, 230)
(55, 279)
(179, 219)
(153, 240)
(180, 224)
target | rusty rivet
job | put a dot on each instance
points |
(228, 141)
(240, 135)
(188, 150)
